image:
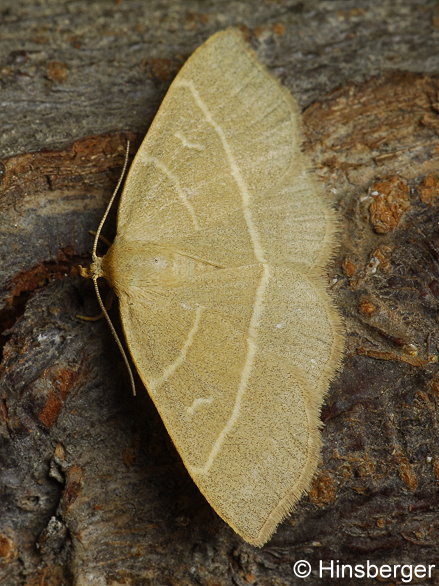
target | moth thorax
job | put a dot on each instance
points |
(130, 264)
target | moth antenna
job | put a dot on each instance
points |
(95, 278)
(113, 331)
(110, 203)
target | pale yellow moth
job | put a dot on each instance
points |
(222, 237)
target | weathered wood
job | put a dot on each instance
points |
(92, 491)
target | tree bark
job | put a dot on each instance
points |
(92, 489)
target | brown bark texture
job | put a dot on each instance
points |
(92, 491)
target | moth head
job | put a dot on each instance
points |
(93, 271)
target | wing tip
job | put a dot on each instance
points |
(288, 503)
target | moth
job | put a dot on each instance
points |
(218, 265)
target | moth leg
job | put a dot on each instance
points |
(100, 237)
(108, 303)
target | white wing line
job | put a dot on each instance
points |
(187, 143)
(260, 291)
(154, 384)
(245, 375)
(258, 250)
(197, 403)
(182, 195)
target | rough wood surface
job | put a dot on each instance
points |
(91, 489)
